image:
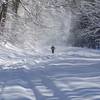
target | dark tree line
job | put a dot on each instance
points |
(85, 24)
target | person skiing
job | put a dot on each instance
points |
(53, 49)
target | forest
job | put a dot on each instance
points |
(20, 18)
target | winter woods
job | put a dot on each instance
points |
(74, 22)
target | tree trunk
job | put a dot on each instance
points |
(3, 13)
(15, 5)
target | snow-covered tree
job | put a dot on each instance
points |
(34, 22)
(85, 22)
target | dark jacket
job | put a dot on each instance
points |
(53, 49)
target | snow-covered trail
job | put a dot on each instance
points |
(72, 74)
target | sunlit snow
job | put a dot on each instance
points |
(70, 74)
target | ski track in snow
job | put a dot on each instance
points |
(73, 74)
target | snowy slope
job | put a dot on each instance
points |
(70, 74)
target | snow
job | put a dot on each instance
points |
(17, 92)
(32, 72)
(70, 74)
